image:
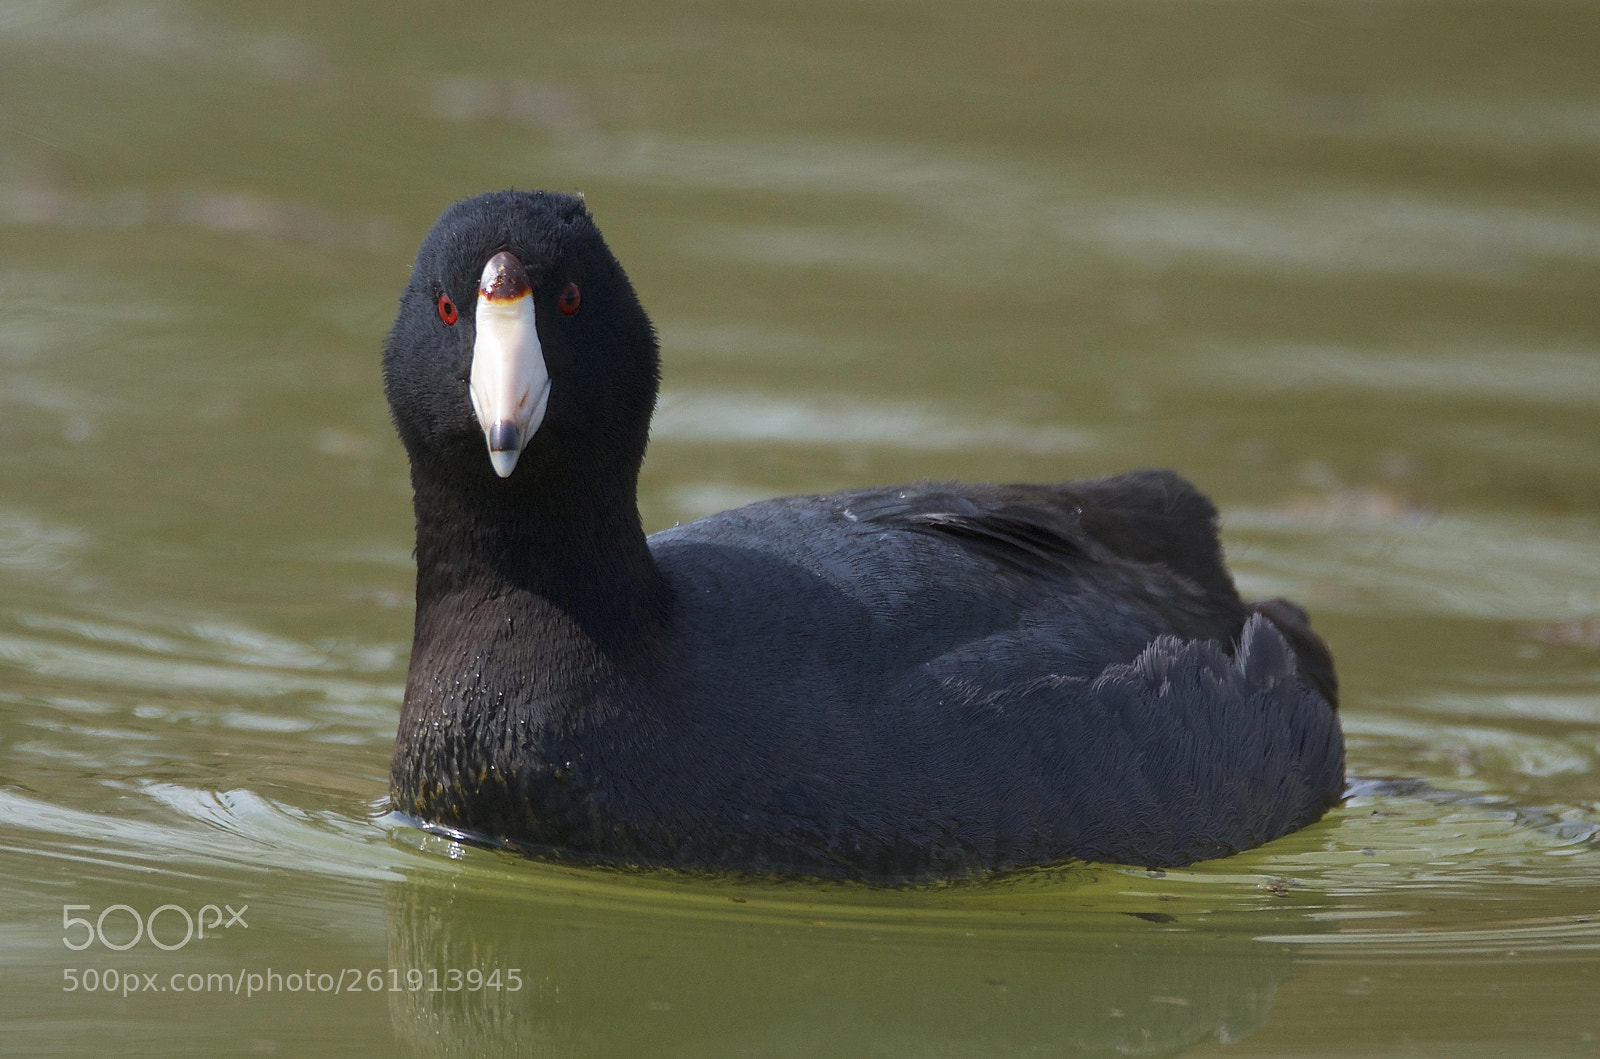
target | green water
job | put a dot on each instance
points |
(1336, 262)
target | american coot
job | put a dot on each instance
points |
(907, 683)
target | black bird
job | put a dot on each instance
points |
(914, 682)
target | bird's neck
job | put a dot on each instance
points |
(559, 568)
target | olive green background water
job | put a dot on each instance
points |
(1336, 262)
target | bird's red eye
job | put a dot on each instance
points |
(569, 299)
(447, 309)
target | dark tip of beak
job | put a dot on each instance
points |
(504, 279)
(504, 436)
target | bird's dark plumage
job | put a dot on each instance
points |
(893, 684)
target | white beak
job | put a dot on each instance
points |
(510, 384)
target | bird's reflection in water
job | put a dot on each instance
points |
(596, 980)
